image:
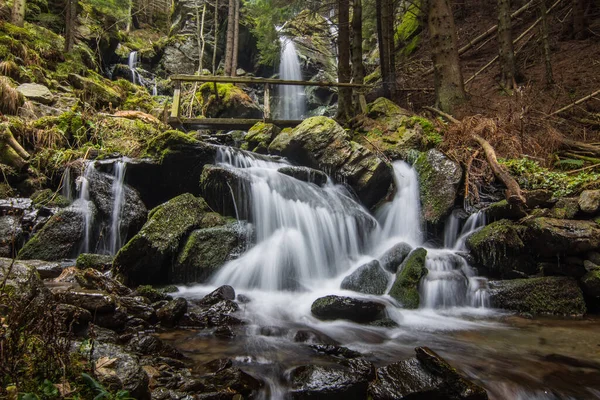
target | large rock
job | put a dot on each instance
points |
(206, 250)
(369, 279)
(259, 137)
(36, 92)
(406, 286)
(148, 256)
(61, 236)
(95, 92)
(439, 179)
(12, 236)
(426, 376)
(590, 283)
(388, 113)
(547, 295)
(589, 201)
(394, 256)
(233, 102)
(319, 142)
(548, 237)
(338, 307)
(305, 174)
(24, 280)
(499, 248)
(349, 379)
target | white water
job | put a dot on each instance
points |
(132, 62)
(155, 88)
(67, 189)
(83, 188)
(118, 193)
(292, 99)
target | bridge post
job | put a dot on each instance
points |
(176, 100)
(267, 110)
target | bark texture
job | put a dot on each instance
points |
(18, 13)
(344, 72)
(505, 46)
(230, 33)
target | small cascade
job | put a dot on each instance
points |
(401, 218)
(292, 99)
(67, 189)
(475, 222)
(83, 188)
(155, 88)
(132, 62)
(118, 193)
(451, 230)
(303, 232)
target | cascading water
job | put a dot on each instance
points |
(67, 189)
(132, 62)
(292, 99)
(83, 188)
(118, 193)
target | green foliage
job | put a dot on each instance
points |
(116, 9)
(531, 175)
(101, 392)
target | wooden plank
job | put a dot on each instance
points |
(267, 112)
(176, 101)
(259, 81)
(233, 123)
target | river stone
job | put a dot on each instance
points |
(439, 180)
(546, 295)
(499, 248)
(36, 92)
(305, 174)
(123, 373)
(91, 300)
(426, 376)
(589, 201)
(24, 279)
(100, 262)
(259, 137)
(12, 236)
(369, 279)
(505, 210)
(96, 280)
(138, 307)
(148, 256)
(319, 142)
(406, 286)
(206, 250)
(565, 208)
(338, 307)
(349, 379)
(393, 257)
(61, 236)
(172, 312)
(221, 293)
(590, 283)
(235, 380)
(548, 237)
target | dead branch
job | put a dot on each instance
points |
(443, 114)
(583, 99)
(513, 190)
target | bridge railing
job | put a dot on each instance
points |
(175, 117)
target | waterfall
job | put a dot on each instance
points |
(83, 202)
(292, 99)
(303, 232)
(66, 189)
(155, 88)
(118, 193)
(132, 62)
(474, 222)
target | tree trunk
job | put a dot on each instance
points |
(200, 37)
(18, 13)
(505, 46)
(236, 37)
(344, 111)
(70, 24)
(448, 80)
(388, 16)
(545, 42)
(580, 22)
(216, 22)
(358, 69)
(229, 43)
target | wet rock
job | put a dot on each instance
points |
(138, 307)
(100, 262)
(565, 208)
(590, 283)
(546, 295)
(589, 201)
(387, 112)
(369, 278)
(505, 210)
(594, 257)
(59, 238)
(259, 137)
(48, 269)
(94, 301)
(243, 299)
(118, 320)
(218, 314)
(405, 288)
(236, 380)
(426, 376)
(538, 198)
(73, 316)
(154, 295)
(500, 249)
(151, 345)
(206, 250)
(221, 293)
(146, 258)
(12, 236)
(224, 332)
(36, 92)
(590, 266)
(96, 280)
(272, 331)
(305, 174)
(319, 142)
(172, 312)
(337, 307)
(349, 379)
(548, 237)
(122, 372)
(310, 336)
(336, 351)
(439, 179)
(101, 96)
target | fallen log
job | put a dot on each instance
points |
(513, 190)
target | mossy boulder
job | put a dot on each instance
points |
(539, 296)
(549, 237)
(394, 256)
(499, 249)
(369, 278)
(439, 180)
(100, 262)
(319, 142)
(48, 198)
(405, 288)
(305, 174)
(206, 250)
(61, 236)
(338, 307)
(231, 102)
(589, 201)
(97, 91)
(565, 208)
(504, 210)
(148, 256)
(259, 137)
(23, 281)
(590, 283)
(388, 113)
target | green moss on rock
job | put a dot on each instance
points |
(48, 198)
(100, 262)
(259, 137)
(160, 146)
(406, 286)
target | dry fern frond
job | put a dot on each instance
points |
(9, 68)
(10, 99)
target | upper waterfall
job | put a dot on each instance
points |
(292, 99)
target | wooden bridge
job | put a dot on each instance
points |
(244, 123)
